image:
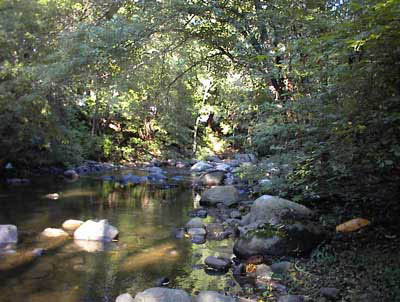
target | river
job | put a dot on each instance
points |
(147, 250)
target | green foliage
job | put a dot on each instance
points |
(309, 85)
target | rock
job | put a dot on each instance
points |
(92, 246)
(196, 232)
(8, 233)
(162, 294)
(53, 196)
(217, 263)
(99, 231)
(281, 267)
(71, 224)
(195, 223)
(202, 213)
(228, 195)
(330, 293)
(223, 167)
(291, 298)
(272, 209)
(201, 166)
(52, 232)
(211, 296)
(198, 239)
(212, 178)
(295, 239)
(124, 298)
(71, 174)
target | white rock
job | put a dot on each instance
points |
(71, 224)
(98, 231)
(90, 245)
(51, 232)
(8, 233)
(124, 298)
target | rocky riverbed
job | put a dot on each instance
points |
(282, 251)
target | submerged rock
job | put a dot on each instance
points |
(98, 231)
(162, 294)
(8, 233)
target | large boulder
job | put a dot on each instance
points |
(227, 195)
(8, 234)
(201, 166)
(212, 178)
(292, 239)
(211, 296)
(99, 231)
(272, 210)
(162, 294)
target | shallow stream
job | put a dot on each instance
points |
(147, 250)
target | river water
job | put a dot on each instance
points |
(147, 250)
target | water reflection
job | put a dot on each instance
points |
(73, 270)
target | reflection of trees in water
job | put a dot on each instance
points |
(144, 214)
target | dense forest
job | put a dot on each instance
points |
(313, 85)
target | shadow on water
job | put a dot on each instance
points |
(93, 271)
